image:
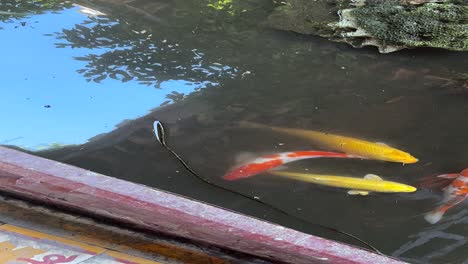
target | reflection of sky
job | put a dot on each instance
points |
(35, 74)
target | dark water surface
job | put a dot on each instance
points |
(96, 82)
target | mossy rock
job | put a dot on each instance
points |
(305, 17)
(390, 25)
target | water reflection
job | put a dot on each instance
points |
(136, 53)
(437, 244)
(410, 99)
(54, 105)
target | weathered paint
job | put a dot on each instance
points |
(85, 230)
(20, 245)
(62, 184)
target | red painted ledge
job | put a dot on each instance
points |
(60, 184)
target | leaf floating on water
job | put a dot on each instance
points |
(159, 132)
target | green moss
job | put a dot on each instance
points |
(305, 16)
(221, 5)
(434, 25)
(231, 7)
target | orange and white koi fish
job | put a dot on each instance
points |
(269, 162)
(454, 194)
(353, 146)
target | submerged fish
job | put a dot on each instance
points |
(269, 162)
(454, 194)
(362, 186)
(354, 146)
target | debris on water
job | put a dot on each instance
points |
(246, 73)
(394, 99)
(159, 132)
(406, 74)
(235, 108)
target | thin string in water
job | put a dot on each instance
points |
(161, 137)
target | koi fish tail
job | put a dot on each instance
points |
(234, 176)
(252, 169)
(434, 182)
(434, 216)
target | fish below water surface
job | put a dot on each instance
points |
(268, 162)
(454, 194)
(362, 186)
(354, 146)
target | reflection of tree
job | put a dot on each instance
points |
(14, 9)
(175, 96)
(127, 53)
(155, 41)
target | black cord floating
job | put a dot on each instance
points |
(160, 134)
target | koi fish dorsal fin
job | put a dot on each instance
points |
(244, 157)
(356, 192)
(381, 143)
(373, 177)
(449, 176)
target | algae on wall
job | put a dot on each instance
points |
(390, 25)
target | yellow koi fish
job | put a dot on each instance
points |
(362, 186)
(353, 146)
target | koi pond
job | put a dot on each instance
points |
(84, 81)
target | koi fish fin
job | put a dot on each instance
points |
(244, 157)
(434, 182)
(449, 176)
(356, 192)
(382, 144)
(434, 216)
(373, 177)
(282, 167)
(464, 172)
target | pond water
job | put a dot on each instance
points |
(84, 87)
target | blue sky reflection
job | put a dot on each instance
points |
(36, 74)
